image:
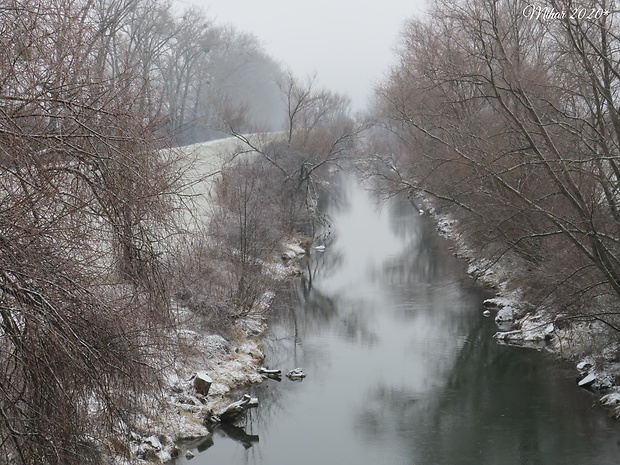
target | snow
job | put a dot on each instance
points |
(154, 442)
(498, 302)
(227, 364)
(506, 314)
(181, 413)
(533, 327)
(296, 374)
(612, 399)
(292, 251)
(587, 380)
(208, 159)
(586, 365)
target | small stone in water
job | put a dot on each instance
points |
(297, 373)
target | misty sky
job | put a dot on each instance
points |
(347, 43)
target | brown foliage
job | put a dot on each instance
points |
(84, 205)
(510, 122)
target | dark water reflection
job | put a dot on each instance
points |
(401, 365)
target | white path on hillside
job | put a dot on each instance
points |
(208, 159)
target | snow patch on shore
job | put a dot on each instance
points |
(522, 324)
(180, 413)
(535, 330)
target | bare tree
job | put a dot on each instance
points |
(319, 135)
(510, 119)
(247, 231)
(84, 205)
(242, 75)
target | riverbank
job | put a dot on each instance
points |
(180, 411)
(401, 362)
(203, 369)
(585, 343)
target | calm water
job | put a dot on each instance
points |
(401, 365)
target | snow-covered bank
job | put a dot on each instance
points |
(207, 160)
(201, 370)
(181, 410)
(579, 340)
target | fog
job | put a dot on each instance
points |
(347, 44)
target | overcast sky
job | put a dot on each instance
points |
(347, 43)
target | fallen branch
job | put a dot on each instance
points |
(273, 374)
(234, 409)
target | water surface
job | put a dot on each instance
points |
(401, 365)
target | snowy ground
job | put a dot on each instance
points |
(181, 411)
(208, 160)
(231, 364)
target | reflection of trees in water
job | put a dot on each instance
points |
(246, 430)
(355, 323)
(318, 263)
(302, 302)
(507, 405)
(334, 197)
(390, 411)
(315, 310)
(222, 431)
(404, 219)
(307, 310)
(418, 419)
(496, 406)
(473, 403)
(236, 433)
(491, 416)
(319, 312)
(272, 399)
(387, 409)
(425, 260)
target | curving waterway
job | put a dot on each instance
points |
(401, 365)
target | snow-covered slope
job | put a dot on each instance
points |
(208, 159)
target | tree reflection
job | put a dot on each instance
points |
(498, 404)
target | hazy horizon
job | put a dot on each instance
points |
(348, 45)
